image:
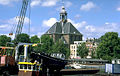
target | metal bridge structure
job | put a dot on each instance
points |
(50, 64)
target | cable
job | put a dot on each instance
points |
(29, 17)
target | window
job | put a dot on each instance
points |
(29, 66)
(21, 66)
(25, 66)
(74, 47)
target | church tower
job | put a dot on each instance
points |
(64, 30)
(63, 15)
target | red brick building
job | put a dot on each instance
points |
(64, 30)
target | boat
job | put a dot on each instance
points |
(29, 69)
(77, 66)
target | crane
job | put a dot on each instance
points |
(21, 18)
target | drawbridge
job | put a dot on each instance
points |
(49, 64)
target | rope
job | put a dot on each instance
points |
(29, 17)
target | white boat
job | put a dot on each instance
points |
(77, 66)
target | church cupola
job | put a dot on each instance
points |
(63, 14)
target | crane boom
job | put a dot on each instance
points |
(21, 17)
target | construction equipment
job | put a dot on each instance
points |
(7, 61)
(8, 64)
(10, 57)
(21, 18)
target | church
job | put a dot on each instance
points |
(64, 30)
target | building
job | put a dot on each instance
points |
(73, 49)
(64, 30)
(90, 44)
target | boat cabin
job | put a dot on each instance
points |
(29, 69)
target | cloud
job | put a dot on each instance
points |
(48, 3)
(90, 28)
(49, 22)
(111, 27)
(79, 24)
(97, 31)
(35, 3)
(7, 2)
(88, 6)
(3, 26)
(8, 26)
(91, 31)
(44, 3)
(118, 9)
(16, 19)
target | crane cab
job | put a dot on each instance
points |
(10, 34)
(29, 69)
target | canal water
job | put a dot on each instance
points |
(80, 75)
(100, 67)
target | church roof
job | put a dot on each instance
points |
(65, 28)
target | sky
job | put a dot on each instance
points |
(93, 18)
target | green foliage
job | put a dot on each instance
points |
(24, 38)
(4, 39)
(45, 46)
(82, 50)
(37, 48)
(47, 43)
(109, 47)
(93, 54)
(60, 47)
(35, 39)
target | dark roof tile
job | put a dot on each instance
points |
(67, 28)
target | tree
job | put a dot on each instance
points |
(35, 39)
(45, 46)
(60, 47)
(21, 38)
(4, 39)
(82, 50)
(24, 38)
(47, 43)
(109, 47)
(93, 54)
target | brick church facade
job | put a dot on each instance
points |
(64, 30)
